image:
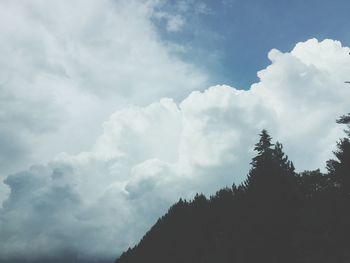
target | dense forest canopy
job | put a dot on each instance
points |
(275, 215)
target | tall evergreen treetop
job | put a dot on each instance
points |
(264, 143)
(263, 147)
(272, 174)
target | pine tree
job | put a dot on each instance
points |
(257, 178)
(339, 168)
(271, 171)
(336, 206)
(271, 199)
(263, 147)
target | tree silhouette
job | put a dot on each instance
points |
(339, 168)
(272, 174)
(275, 215)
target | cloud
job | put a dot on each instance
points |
(96, 203)
(66, 67)
(175, 23)
(173, 15)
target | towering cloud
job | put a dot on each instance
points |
(65, 67)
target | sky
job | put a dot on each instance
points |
(230, 39)
(111, 110)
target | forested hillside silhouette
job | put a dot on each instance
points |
(276, 216)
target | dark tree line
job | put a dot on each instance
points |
(274, 216)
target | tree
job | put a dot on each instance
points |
(312, 182)
(339, 168)
(345, 119)
(261, 164)
(263, 147)
(271, 173)
(282, 160)
(270, 203)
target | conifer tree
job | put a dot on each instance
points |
(339, 168)
(270, 194)
(257, 178)
(271, 171)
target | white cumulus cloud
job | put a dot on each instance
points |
(66, 66)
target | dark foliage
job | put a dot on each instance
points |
(274, 216)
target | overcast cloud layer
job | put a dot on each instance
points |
(107, 113)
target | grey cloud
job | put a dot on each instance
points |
(67, 66)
